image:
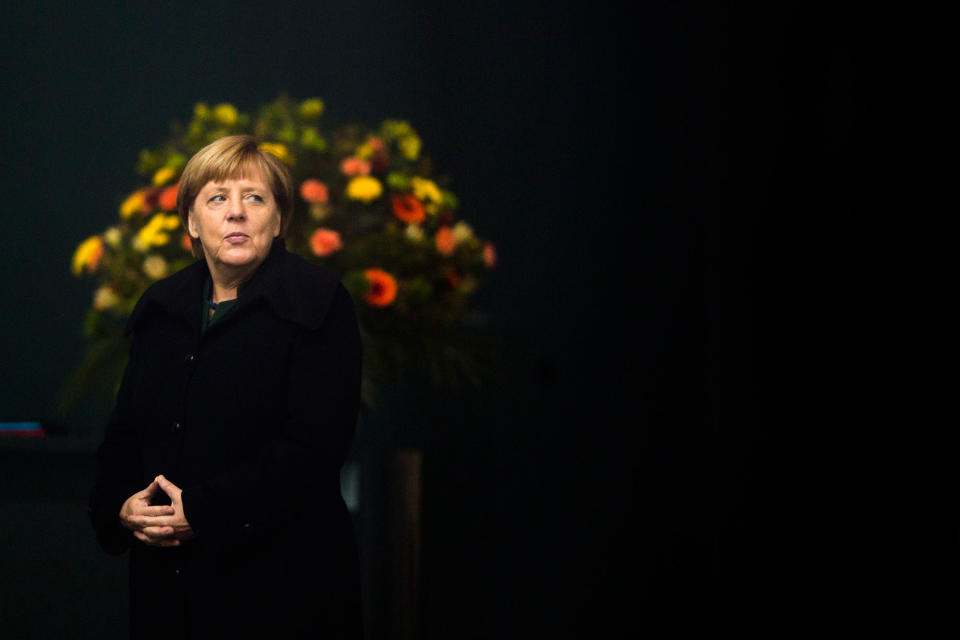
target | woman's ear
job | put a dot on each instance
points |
(192, 228)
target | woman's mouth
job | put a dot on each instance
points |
(236, 238)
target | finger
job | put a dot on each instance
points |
(156, 510)
(152, 521)
(150, 490)
(157, 532)
(156, 542)
(168, 487)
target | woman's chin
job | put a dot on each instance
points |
(237, 257)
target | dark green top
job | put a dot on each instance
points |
(222, 307)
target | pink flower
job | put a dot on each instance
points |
(354, 166)
(324, 241)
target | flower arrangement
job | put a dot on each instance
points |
(368, 209)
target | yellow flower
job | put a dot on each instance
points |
(364, 151)
(87, 256)
(409, 146)
(171, 222)
(104, 298)
(426, 190)
(131, 205)
(153, 234)
(278, 150)
(394, 129)
(365, 188)
(155, 267)
(163, 175)
(369, 148)
(225, 114)
(112, 236)
(201, 111)
(311, 108)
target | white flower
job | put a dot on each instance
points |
(414, 233)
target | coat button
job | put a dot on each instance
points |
(176, 571)
(190, 357)
(176, 426)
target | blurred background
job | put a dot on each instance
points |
(676, 199)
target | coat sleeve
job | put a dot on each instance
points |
(118, 469)
(297, 471)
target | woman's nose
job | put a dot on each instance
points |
(235, 211)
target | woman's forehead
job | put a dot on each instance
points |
(243, 175)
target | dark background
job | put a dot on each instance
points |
(678, 202)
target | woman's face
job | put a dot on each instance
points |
(236, 220)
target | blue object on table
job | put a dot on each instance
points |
(21, 429)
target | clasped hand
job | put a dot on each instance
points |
(156, 525)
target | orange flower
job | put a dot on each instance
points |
(383, 288)
(354, 166)
(185, 243)
(446, 242)
(314, 191)
(323, 242)
(168, 198)
(489, 256)
(407, 208)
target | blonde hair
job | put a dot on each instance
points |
(234, 157)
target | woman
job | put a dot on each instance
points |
(220, 465)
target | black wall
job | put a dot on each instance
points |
(676, 198)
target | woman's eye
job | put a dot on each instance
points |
(217, 198)
(256, 197)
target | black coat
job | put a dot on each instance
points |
(252, 419)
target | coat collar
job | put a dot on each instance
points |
(295, 290)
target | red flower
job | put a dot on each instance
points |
(383, 288)
(168, 198)
(314, 191)
(323, 242)
(407, 208)
(150, 197)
